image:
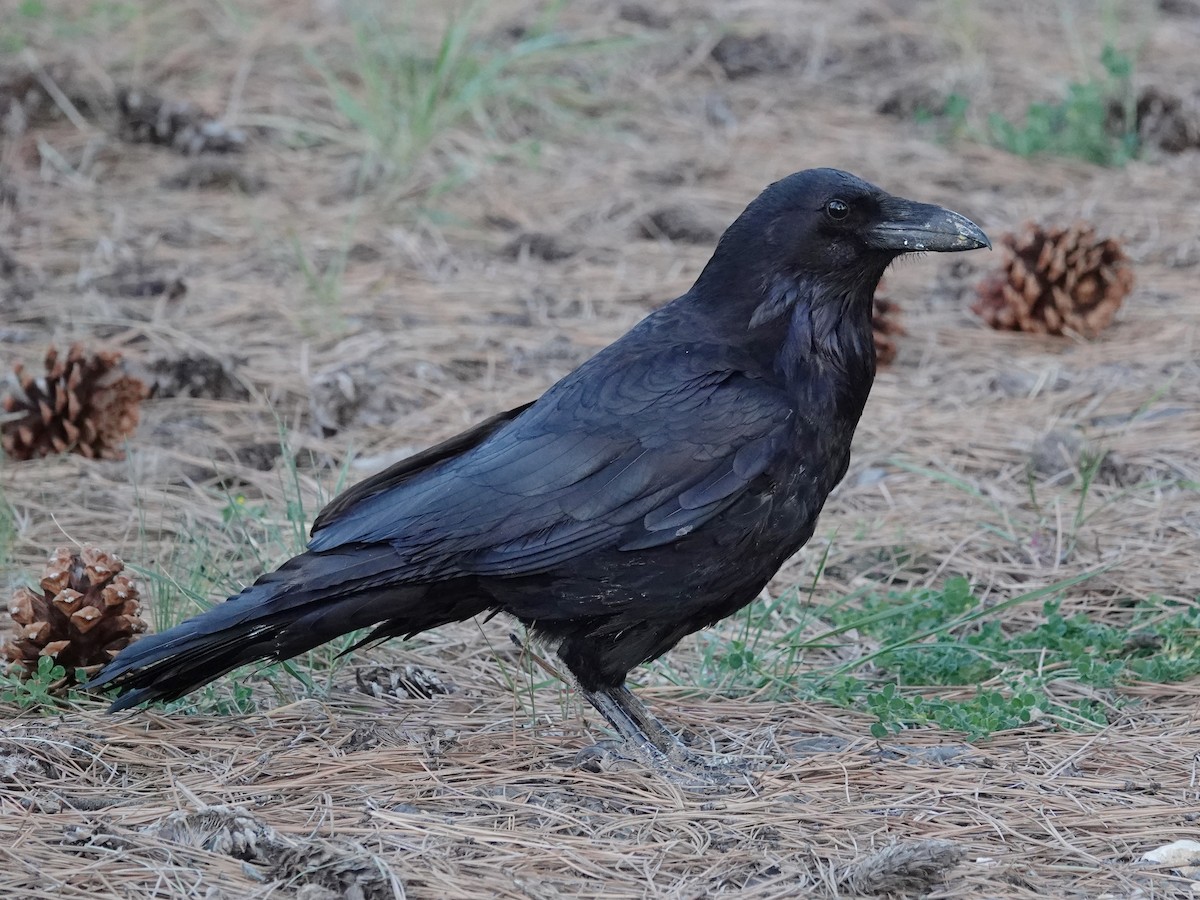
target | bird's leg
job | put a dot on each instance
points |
(647, 740)
(639, 729)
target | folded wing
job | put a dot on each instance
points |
(636, 458)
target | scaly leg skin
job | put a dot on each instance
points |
(647, 741)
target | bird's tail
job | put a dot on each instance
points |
(311, 599)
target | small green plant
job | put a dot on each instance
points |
(323, 280)
(948, 118)
(1082, 124)
(324, 287)
(40, 688)
(234, 699)
(400, 96)
(1013, 671)
(254, 536)
(932, 643)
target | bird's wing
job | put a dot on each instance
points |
(623, 456)
(408, 467)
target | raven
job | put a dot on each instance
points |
(650, 493)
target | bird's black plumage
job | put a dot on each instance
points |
(650, 493)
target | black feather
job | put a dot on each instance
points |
(651, 492)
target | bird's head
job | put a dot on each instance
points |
(826, 236)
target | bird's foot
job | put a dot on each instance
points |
(610, 756)
(679, 765)
(684, 758)
(651, 746)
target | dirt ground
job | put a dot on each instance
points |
(369, 324)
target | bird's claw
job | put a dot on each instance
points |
(710, 762)
(680, 765)
(606, 756)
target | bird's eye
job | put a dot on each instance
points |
(837, 209)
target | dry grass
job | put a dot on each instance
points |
(458, 797)
(433, 325)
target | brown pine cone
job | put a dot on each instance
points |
(885, 327)
(84, 404)
(146, 118)
(84, 614)
(1054, 280)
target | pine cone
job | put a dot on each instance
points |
(83, 404)
(1166, 121)
(1160, 119)
(885, 327)
(1054, 280)
(146, 118)
(86, 611)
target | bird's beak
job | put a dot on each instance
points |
(906, 226)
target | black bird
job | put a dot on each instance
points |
(650, 493)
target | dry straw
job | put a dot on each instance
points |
(430, 325)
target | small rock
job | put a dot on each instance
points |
(207, 174)
(195, 375)
(540, 245)
(872, 475)
(683, 224)
(1059, 454)
(1055, 453)
(1185, 8)
(139, 280)
(1183, 856)
(645, 16)
(146, 118)
(364, 253)
(717, 111)
(741, 56)
(909, 101)
(1014, 383)
(260, 456)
